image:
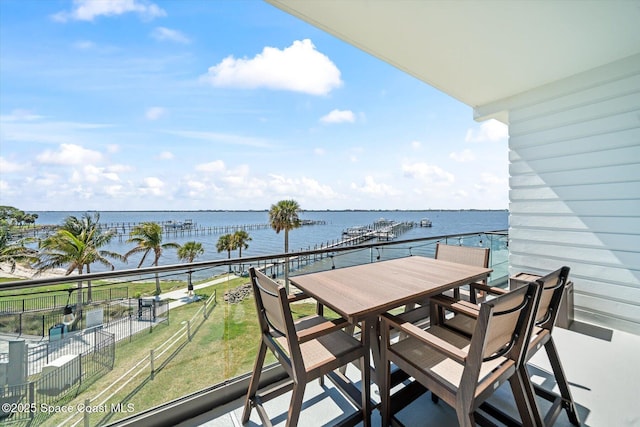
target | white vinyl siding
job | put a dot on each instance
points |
(575, 189)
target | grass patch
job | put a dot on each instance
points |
(222, 347)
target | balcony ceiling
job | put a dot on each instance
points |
(482, 51)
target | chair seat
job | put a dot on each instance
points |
(436, 363)
(325, 350)
(462, 323)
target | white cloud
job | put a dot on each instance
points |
(70, 154)
(429, 174)
(84, 45)
(166, 155)
(300, 187)
(222, 137)
(489, 178)
(93, 174)
(463, 156)
(373, 188)
(319, 151)
(152, 185)
(339, 116)
(154, 113)
(416, 145)
(10, 167)
(113, 148)
(167, 34)
(298, 68)
(215, 166)
(87, 10)
(489, 131)
(19, 116)
(118, 168)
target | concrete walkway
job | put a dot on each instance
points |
(181, 296)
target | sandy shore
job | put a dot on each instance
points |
(24, 272)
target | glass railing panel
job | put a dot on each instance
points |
(127, 351)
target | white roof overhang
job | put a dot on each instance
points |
(482, 52)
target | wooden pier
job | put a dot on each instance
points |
(382, 232)
(188, 228)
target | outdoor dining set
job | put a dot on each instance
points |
(414, 325)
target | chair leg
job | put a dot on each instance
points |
(466, 417)
(296, 404)
(561, 380)
(365, 367)
(350, 330)
(253, 384)
(384, 379)
(525, 398)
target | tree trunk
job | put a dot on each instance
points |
(89, 296)
(286, 260)
(158, 290)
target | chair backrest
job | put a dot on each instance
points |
(505, 323)
(468, 255)
(552, 289)
(274, 314)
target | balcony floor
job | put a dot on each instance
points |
(601, 367)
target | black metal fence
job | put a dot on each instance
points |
(39, 323)
(48, 302)
(78, 360)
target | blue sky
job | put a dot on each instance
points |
(202, 104)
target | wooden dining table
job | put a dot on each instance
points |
(361, 293)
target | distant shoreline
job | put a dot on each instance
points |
(267, 210)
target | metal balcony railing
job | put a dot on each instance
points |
(208, 341)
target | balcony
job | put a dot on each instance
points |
(190, 364)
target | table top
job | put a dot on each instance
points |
(370, 289)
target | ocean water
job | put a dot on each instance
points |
(266, 240)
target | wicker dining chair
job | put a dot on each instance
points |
(464, 371)
(308, 349)
(553, 286)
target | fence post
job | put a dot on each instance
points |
(26, 360)
(151, 362)
(32, 398)
(189, 329)
(86, 413)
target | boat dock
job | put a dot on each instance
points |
(189, 228)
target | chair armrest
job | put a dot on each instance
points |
(320, 329)
(462, 307)
(298, 296)
(437, 343)
(489, 289)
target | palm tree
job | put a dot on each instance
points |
(226, 243)
(77, 244)
(284, 216)
(148, 238)
(188, 252)
(14, 252)
(240, 239)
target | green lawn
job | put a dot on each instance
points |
(222, 346)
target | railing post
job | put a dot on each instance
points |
(151, 362)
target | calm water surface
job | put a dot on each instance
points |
(265, 241)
